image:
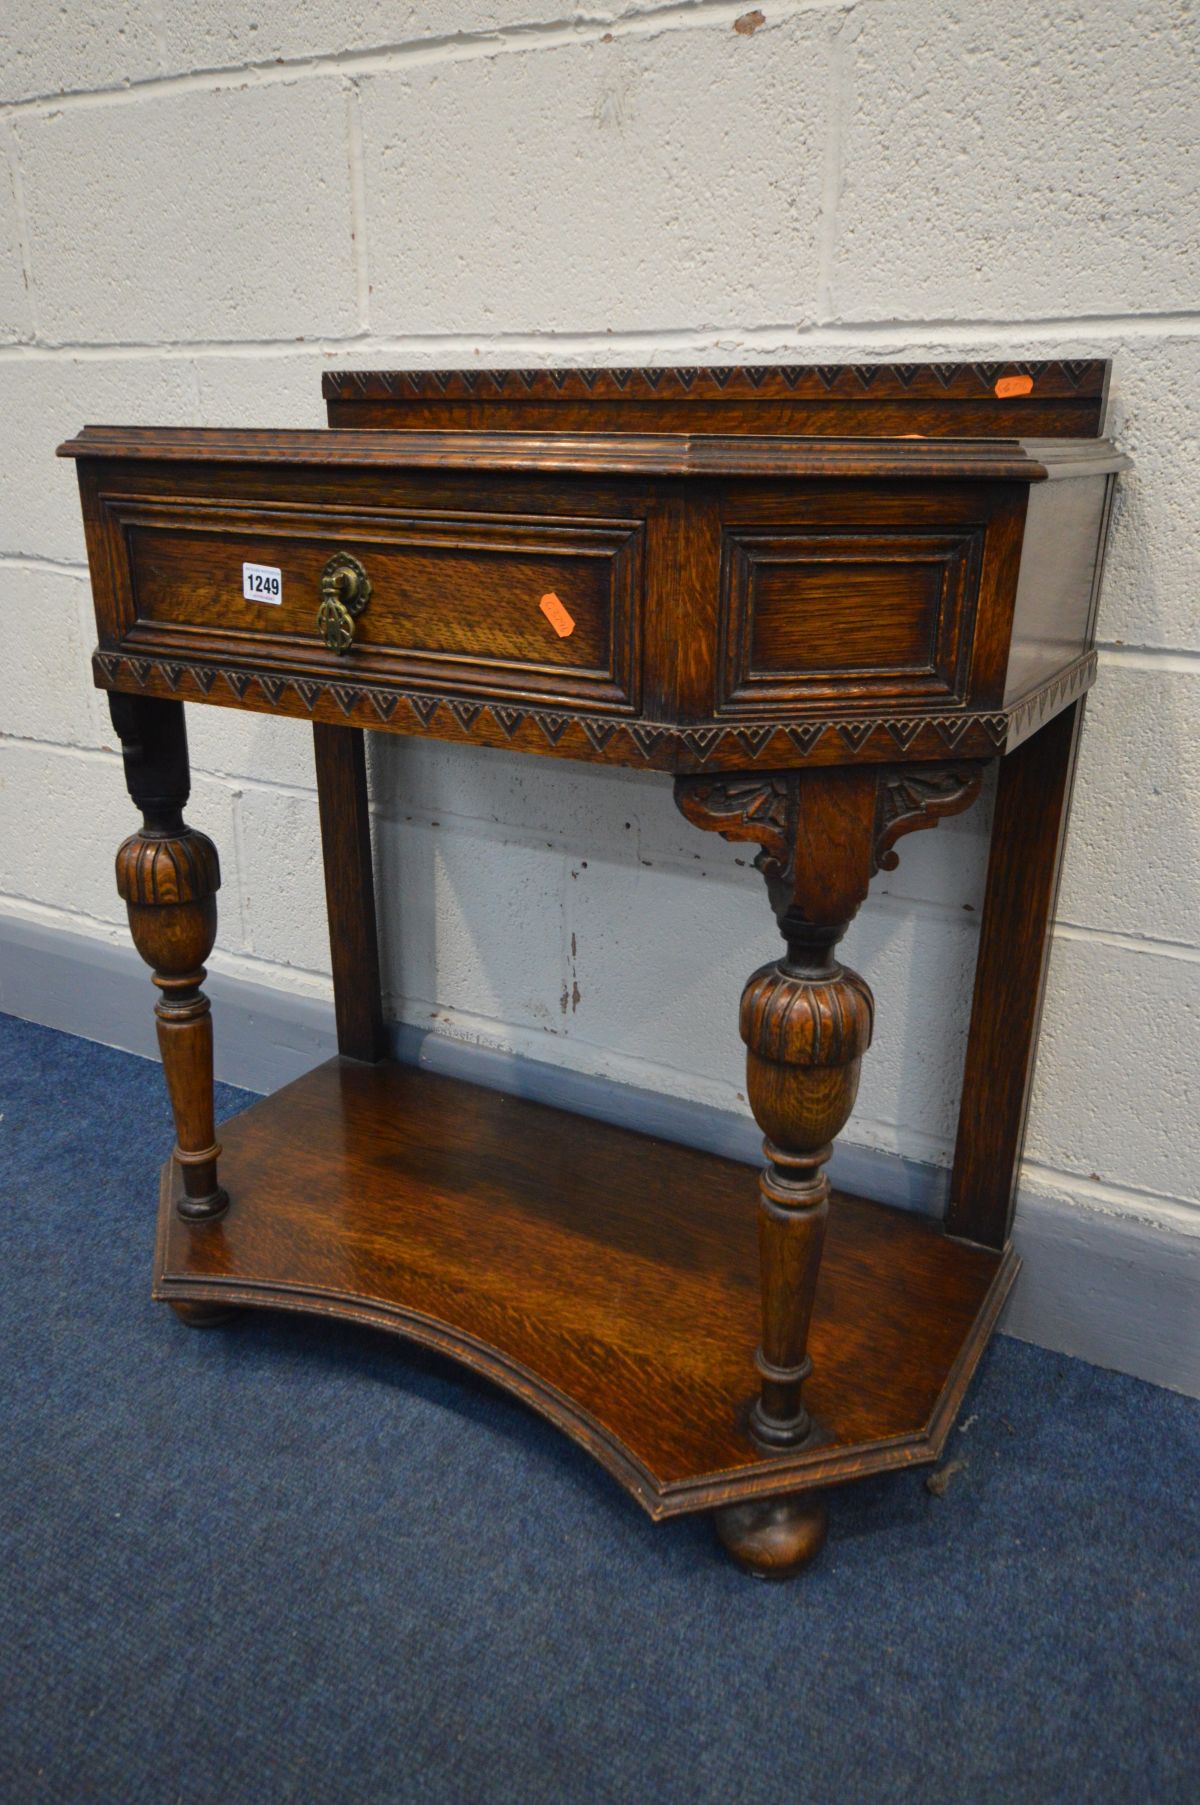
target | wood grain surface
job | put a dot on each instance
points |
(1029, 829)
(608, 1278)
(983, 400)
(586, 453)
(341, 765)
(823, 602)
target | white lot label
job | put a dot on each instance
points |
(262, 583)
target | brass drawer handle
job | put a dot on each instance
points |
(345, 592)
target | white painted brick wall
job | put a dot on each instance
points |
(696, 167)
(191, 215)
(1028, 161)
(203, 207)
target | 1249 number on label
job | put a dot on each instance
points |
(262, 583)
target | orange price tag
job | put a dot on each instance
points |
(1013, 385)
(557, 615)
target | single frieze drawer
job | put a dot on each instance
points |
(496, 599)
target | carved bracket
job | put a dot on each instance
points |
(740, 807)
(822, 835)
(911, 797)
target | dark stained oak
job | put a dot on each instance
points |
(350, 890)
(725, 601)
(204, 1316)
(978, 400)
(168, 876)
(811, 738)
(822, 598)
(608, 1278)
(806, 1021)
(1033, 800)
(594, 453)
(773, 1538)
(448, 597)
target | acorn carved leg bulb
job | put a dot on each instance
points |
(168, 876)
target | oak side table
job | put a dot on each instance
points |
(822, 598)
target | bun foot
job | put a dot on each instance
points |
(773, 1538)
(204, 1316)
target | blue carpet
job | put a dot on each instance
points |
(292, 1561)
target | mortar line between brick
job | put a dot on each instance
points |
(535, 35)
(17, 179)
(832, 169)
(106, 754)
(1072, 334)
(159, 29)
(242, 868)
(524, 833)
(358, 205)
(1164, 1208)
(1182, 951)
(236, 784)
(1180, 660)
(32, 561)
(533, 835)
(15, 907)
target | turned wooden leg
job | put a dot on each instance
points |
(806, 1021)
(168, 876)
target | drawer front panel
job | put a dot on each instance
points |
(812, 613)
(453, 598)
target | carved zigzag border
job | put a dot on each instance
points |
(1040, 704)
(645, 736)
(812, 379)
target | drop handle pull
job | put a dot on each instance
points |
(345, 592)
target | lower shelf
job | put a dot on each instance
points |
(607, 1278)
